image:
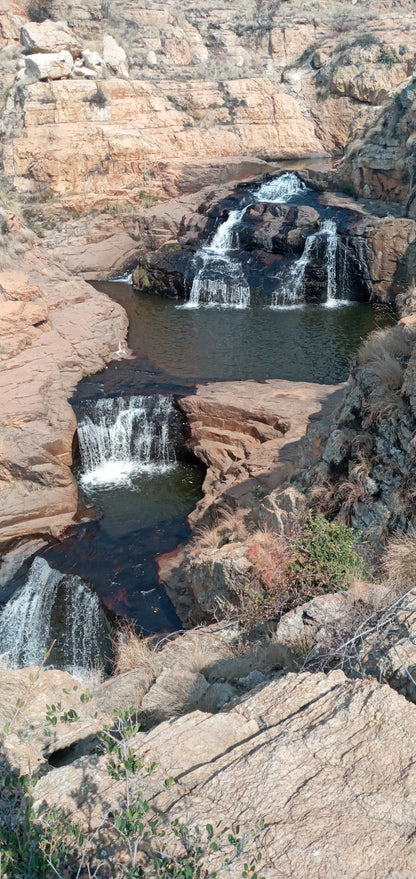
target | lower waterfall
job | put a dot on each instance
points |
(49, 607)
(122, 437)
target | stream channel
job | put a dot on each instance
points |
(133, 468)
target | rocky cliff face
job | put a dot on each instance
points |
(53, 331)
(143, 85)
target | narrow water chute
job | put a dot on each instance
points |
(291, 291)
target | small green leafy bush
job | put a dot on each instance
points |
(325, 556)
(388, 56)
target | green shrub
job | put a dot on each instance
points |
(325, 556)
(387, 56)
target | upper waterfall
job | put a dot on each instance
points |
(220, 279)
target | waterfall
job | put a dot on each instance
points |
(220, 278)
(51, 605)
(121, 438)
(292, 290)
(280, 189)
(329, 228)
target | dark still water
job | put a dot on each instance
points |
(179, 347)
(143, 511)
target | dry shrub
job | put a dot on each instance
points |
(399, 562)
(229, 527)
(131, 652)
(267, 589)
(197, 651)
(397, 341)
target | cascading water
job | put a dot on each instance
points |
(54, 606)
(121, 437)
(329, 228)
(220, 278)
(291, 292)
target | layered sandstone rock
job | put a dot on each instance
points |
(290, 82)
(53, 332)
(305, 752)
(248, 433)
(114, 142)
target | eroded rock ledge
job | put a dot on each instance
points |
(327, 763)
(248, 434)
(54, 330)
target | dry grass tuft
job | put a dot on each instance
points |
(230, 527)
(382, 403)
(399, 562)
(132, 652)
(386, 371)
(198, 651)
(396, 342)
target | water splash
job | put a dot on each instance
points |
(51, 605)
(291, 293)
(280, 189)
(121, 438)
(220, 279)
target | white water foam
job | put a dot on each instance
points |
(121, 438)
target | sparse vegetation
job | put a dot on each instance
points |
(98, 98)
(286, 572)
(39, 10)
(365, 40)
(388, 56)
(141, 843)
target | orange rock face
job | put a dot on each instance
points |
(53, 331)
(70, 143)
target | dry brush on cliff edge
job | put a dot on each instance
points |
(366, 475)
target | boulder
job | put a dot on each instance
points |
(49, 36)
(93, 61)
(115, 57)
(326, 763)
(55, 65)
